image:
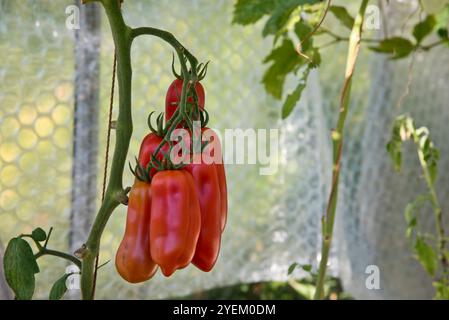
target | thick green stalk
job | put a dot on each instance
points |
(122, 39)
(337, 141)
(115, 194)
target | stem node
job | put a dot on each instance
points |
(81, 252)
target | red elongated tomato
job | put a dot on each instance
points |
(148, 147)
(133, 259)
(208, 190)
(175, 220)
(223, 193)
(214, 151)
(173, 97)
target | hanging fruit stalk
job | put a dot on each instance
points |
(123, 37)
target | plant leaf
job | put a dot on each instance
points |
(281, 15)
(59, 288)
(302, 30)
(412, 222)
(442, 290)
(342, 15)
(398, 47)
(39, 235)
(293, 98)
(442, 23)
(403, 127)
(443, 34)
(20, 266)
(277, 21)
(284, 60)
(292, 268)
(424, 28)
(426, 255)
(306, 267)
(394, 149)
(250, 11)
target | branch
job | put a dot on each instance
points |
(337, 141)
(432, 45)
(170, 38)
(44, 251)
(121, 34)
(338, 38)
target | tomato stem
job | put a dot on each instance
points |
(48, 252)
(337, 142)
(438, 213)
(123, 37)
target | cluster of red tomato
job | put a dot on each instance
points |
(178, 216)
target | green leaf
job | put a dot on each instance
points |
(443, 34)
(306, 267)
(302, 30)
(395, 151)
(431, 154)
(39, 234)
(412, 222)
(305, 290)
(343, 16)
(59, 288)
(284, 60)
(408, 213)
(424, 28)
(20, 266)
(403, 127)
(398, 47)
(442, 23)
(277, 21)
(281, 15)
(292, 268)
(442, 290)
(293, 98)
(426, 255)
(250, 11)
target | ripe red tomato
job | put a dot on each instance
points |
(208, 190)
(133, 259)
(213, 154)
(173, 97)
(148, 147)
(175, 220)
